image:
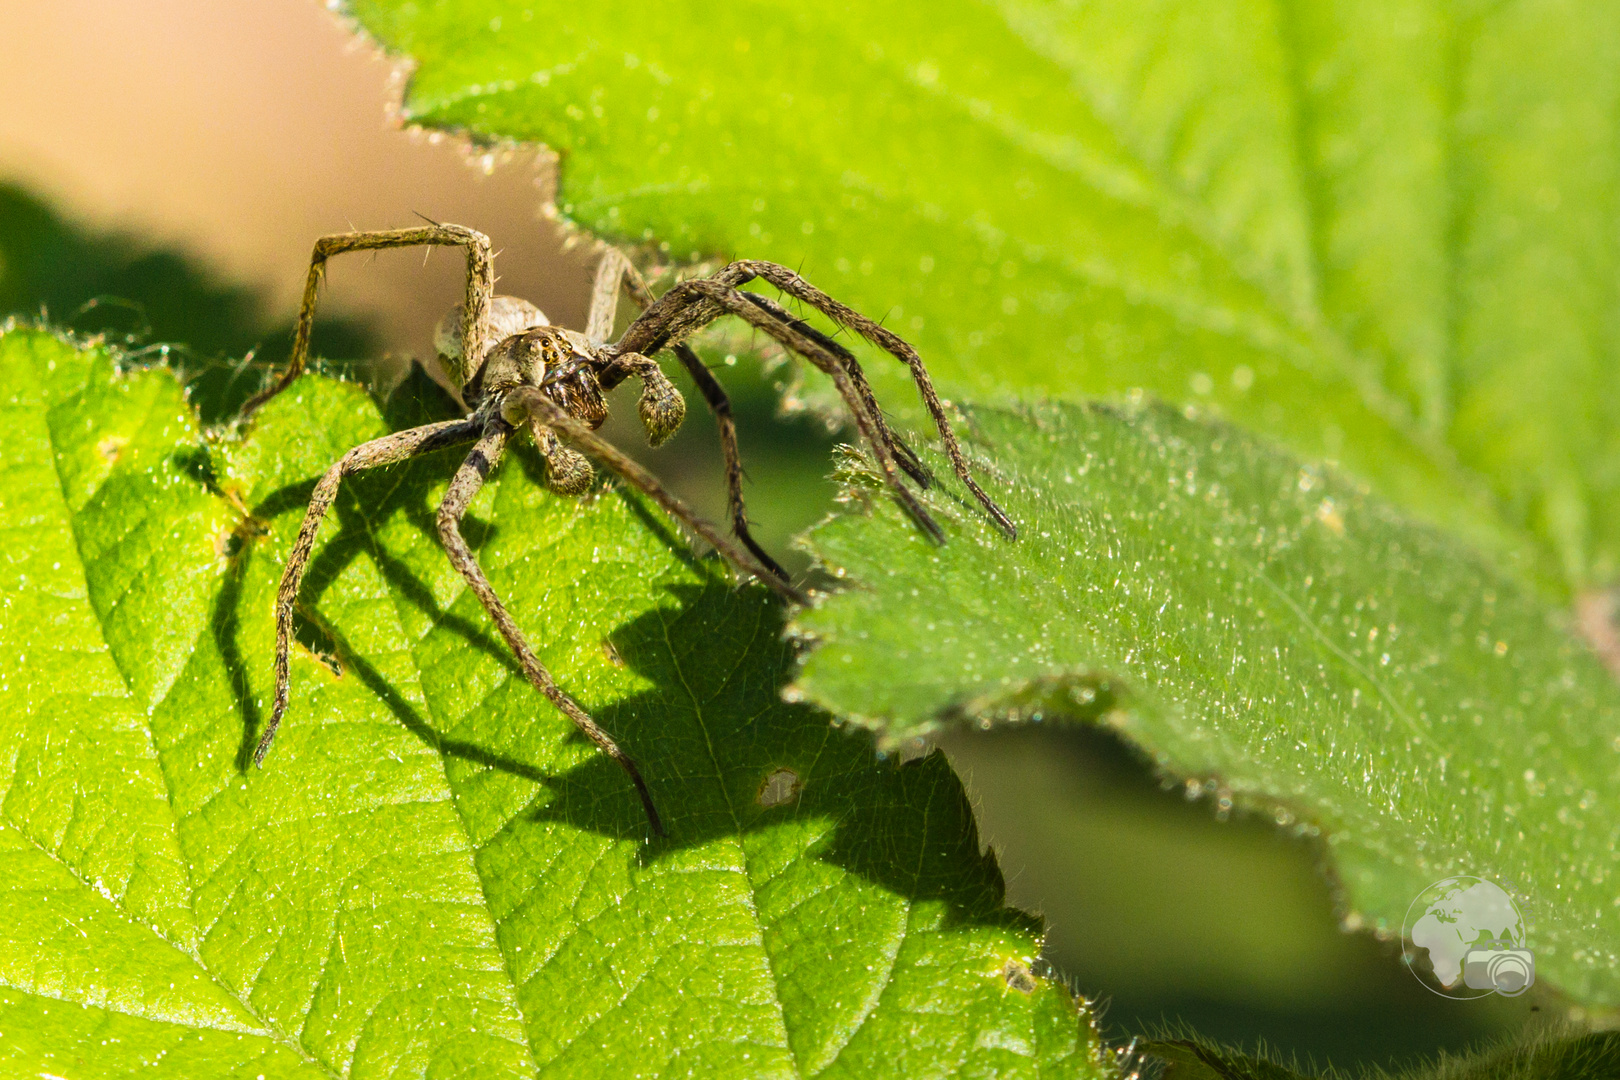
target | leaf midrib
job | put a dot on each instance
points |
(737, 827)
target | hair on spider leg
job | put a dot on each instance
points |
(521, 375)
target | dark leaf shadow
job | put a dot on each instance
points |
(710, 732)
(712, 736)
(365, 502)
(418, 724)
(225, 622)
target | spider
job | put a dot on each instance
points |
(518, 372)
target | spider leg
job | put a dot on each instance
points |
(616, 272)
(468, 479)
(612, 273)
(742, 272)
(908, 460)
(687, 306)
(474, 312)
(714, 395)
(384, 451)
(674, 323)
(530, 403)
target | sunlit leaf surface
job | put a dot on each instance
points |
(1268, 630)
(432, 875)
(1383, 231)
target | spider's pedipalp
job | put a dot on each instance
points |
(568, 472)
(662, 407)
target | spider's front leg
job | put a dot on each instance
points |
(691, 304)
(741, 272)
(474, 312)
(468, 479)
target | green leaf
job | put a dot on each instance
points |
(1268, 630)
(432, 874)
(1383, 232)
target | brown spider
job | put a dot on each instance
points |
(516, 370)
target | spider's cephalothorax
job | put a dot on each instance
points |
(517, 372)
(568, 368)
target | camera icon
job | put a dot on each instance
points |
(1495, 964)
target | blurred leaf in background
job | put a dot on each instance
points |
(1167, 914)
(1383, 232)
(143, 298)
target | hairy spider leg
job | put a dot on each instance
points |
(384, 451)
(684, 322)
(903, 454)
(527, 402)
(613, 273)
(616, 272)
(741, 272)
(463, 486)
(690, 304)
(474, 312)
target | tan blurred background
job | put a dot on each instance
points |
(234, 132)
(237, 131)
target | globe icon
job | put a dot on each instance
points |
(1460, 920)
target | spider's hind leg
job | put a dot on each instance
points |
(567, 470)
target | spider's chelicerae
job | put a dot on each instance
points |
(518, 372)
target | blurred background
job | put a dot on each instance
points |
(164, 169)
